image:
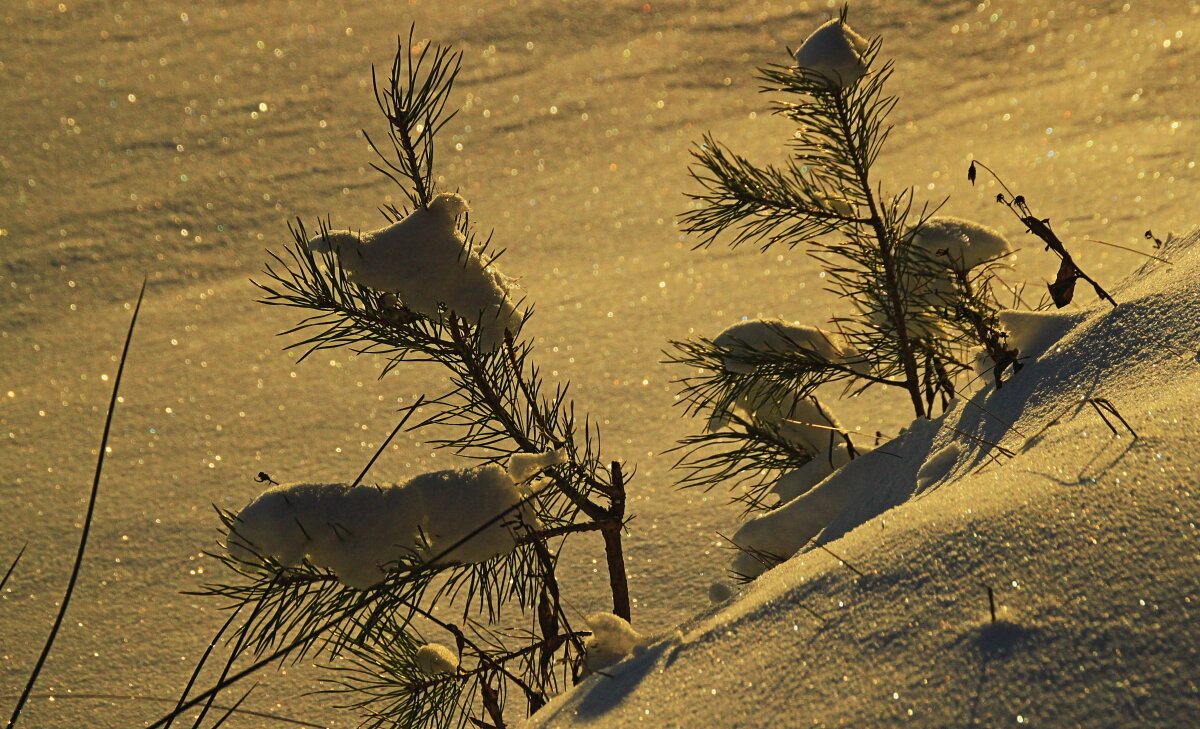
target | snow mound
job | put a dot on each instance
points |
(959, 244)
(1033, 332)
(427, 262)
(937, 466)
(358, 532)
(801, 480)
(1085, 538)
(612, 639)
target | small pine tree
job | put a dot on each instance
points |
(426, 641)
(918, 308)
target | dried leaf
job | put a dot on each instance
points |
(1063, 288)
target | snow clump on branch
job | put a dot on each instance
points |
(836, 52)
(959, 245)
(611, 640)
(804, 421)
(358, 532)
(746, 340)
(425, 259)
(435, 658)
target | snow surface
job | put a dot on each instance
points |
(1085, 537)
(139, 141)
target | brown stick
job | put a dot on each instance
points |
(613, 551)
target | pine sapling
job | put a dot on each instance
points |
(918, 286)
(389, 576)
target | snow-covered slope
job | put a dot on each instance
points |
(1085, 538)
(178, 139)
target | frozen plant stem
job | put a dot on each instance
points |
(1063, 288)
(617, 580)
(87, 520)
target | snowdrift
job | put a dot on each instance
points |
(1084, 538)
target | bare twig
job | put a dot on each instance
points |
(408, 411)
(13, 566)
(613, 551)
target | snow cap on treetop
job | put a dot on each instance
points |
(426, 261)
(836, 52)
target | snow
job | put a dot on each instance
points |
(1033, 332)
(803, 420)
(799, 481)
(359, 531)
(835, 51)
(435, 658)
(426, 260)
(612, 639)
(524, 466)
(937, 466)
(1081, 536)
(1082, 107)
(719, 592)
(775, 335)
(960, 244)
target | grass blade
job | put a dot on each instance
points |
(13, 566)
(87, 521)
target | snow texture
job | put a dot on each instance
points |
(612, 639)
(835, 51)
(938, 466)
(1085, 537)
(426, 261)
(799, 481)
(524, 466)
(435, 658)
(359, 531)
(958, 244)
